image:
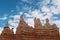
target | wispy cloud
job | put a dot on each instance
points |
(48, 10)
(15, 20)
(41, 9)
(3, 18)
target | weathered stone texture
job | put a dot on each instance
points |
(26, 32)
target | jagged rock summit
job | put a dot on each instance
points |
(26, 32)
(7, 30)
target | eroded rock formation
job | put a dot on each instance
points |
(26, 32)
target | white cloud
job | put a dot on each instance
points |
(15, 16)
(45, 9)
(54, 10)
(45, 2)
(30, 22)
(20, 13)
(15, 20)
(38, 14)
(56, 2)
(57, 22)
(13, 23)
(27, 15)
(3, 18)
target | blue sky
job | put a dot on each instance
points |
(10, 11)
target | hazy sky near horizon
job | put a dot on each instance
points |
(10, 11)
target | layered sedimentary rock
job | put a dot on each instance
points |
(47, 25)
(37, 23)
(26, 32)
(6, 30)
(12, 32)
(21, 26)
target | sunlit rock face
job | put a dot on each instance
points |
(26, 32)
(22, 26)
(37, 23)
(7, 30)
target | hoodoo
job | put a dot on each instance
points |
(26, 32)
(6, 30)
